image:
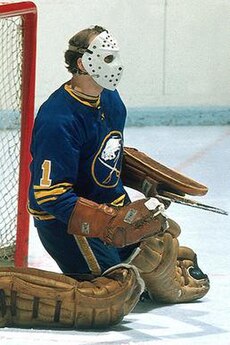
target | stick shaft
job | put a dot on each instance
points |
(189, 202)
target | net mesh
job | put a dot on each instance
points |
(10, 105)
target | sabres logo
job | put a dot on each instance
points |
(106, 166)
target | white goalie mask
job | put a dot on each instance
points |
(102, 61)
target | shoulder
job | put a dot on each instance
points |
(112, 95)
(113, 98)
(60, 106)
(56, 102)
(57, 115)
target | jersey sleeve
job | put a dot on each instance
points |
(56, 147)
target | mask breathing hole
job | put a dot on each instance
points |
(109, 58)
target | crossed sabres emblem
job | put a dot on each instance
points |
(109, 156)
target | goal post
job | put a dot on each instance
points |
(18, 26)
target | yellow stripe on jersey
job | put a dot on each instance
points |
(46, 194)
(56, 191)
(43, 201)
(40, 215)
(119, 201)
(90, 101)
(63, 184)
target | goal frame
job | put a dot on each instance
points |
(28, 12)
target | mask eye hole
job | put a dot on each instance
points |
(109, 58)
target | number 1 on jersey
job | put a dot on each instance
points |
(45, 181)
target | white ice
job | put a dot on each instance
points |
(202, 153)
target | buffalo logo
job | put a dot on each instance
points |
(106, 167)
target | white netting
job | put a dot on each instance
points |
(10, 104)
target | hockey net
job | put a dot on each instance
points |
(17, 19)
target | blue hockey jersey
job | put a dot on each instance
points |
(76, 151)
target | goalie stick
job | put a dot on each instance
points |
(168, 196)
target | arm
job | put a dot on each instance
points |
(56, 147)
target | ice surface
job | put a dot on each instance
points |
(202, 153)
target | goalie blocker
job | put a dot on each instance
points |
(118, 226)
(170, 271)
(148, 176)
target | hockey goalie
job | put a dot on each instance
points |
(110, 249)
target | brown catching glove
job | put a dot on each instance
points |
(171, 273)
(31, 297)
(118, 226)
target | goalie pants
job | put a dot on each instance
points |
(79, 256)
